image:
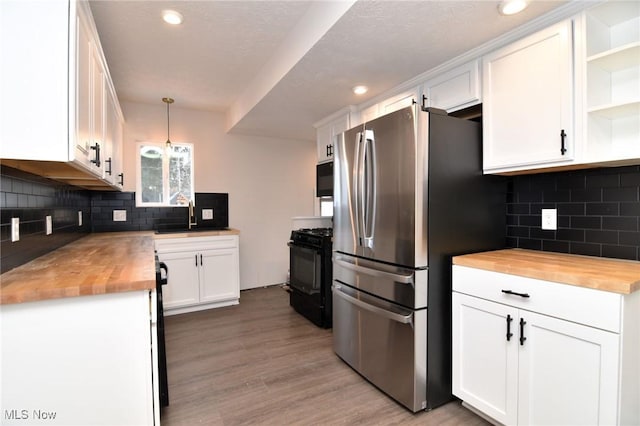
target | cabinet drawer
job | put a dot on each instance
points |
(587, 306)
(195, 243)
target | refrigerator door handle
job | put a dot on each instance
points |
(369, 188)
(358, 188)
(404, 319)
(404, 279)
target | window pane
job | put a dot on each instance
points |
(180, 191)
(151, 174)
(326, 206)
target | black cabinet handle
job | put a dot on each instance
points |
(201, 260)
(108, 161)
(196, 256)
(522, 338)
(509, 333)
(165, 268)
(516, 293)
(563, 135)
(96, 148)
(121, 176)
(424, 101)
(329, 150)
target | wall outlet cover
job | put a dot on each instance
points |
(550, 219)
(119, 215)
(207, 214)
(15, 229)
(49, 225)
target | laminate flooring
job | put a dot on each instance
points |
(261, 363)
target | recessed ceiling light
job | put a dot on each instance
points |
(172, 17)
(360, 90)
(511, 7)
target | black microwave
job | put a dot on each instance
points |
(324, 179)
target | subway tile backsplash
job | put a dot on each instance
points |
(598, 212)
(31, 199)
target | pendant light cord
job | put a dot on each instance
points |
(168, 101)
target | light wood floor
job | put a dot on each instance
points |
(260, 363)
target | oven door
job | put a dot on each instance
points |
(305, 269)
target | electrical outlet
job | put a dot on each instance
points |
(15, 229)
(549, 219)
(79, 217)
(119, 215)
(207, 214)
(49, 225)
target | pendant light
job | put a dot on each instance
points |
(168, 101)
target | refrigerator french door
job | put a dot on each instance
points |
(408, 194)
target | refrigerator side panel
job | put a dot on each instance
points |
(466, 214)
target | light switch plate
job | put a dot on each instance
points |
(15, 229)
(79, 217)
(549, 219)
(207, 214)
(49, 225)
(119, 215)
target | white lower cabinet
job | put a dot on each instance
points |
(537, 356)
(203, 272)
(87, 360)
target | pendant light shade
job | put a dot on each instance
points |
(168, 101)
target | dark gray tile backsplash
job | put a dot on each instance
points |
(598, 212)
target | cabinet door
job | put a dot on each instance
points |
(83, 92)
(219, 275)
(182, 287)
(97, 113)
(485, 363)
(398, 102)
(568, 373)
(455, 89)
(324, 140)
(528, 101)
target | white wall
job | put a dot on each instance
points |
(268, 180)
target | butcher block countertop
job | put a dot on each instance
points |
(196, 233)
(99, 263)
(614, 275)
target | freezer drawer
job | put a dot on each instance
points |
(384, 342)
(406, 287)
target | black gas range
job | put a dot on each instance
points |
(310, 271)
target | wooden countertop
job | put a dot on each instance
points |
(198, 233)
(100, 263)
(615, 275)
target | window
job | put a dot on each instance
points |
(326, 206)
(165, 175)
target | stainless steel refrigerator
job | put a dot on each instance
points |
(409, 194)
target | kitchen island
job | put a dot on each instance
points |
(547, 338)
(78, 334)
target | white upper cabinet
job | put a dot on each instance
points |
(455, 89)
(55, 117)
(328, 130)
(612, 57)
(528, 102)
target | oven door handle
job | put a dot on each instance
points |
(404, 319)
(404, 279)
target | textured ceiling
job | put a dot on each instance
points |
(225, 48)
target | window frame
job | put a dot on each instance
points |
(165, 174)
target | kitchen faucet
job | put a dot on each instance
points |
(191, 216)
